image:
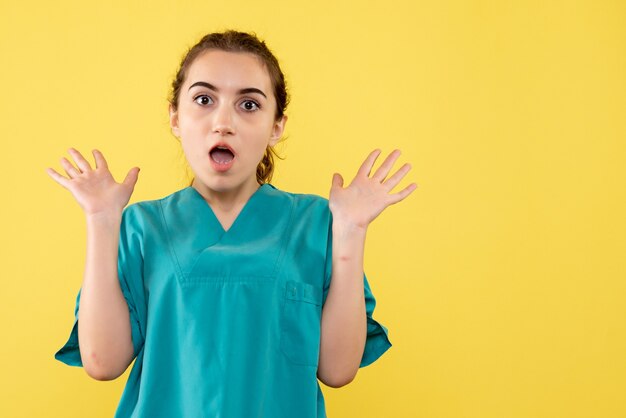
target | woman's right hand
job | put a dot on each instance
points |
(95, 190)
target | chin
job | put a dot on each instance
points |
(217, 184)
(221, 183)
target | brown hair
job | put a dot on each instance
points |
(235, 41)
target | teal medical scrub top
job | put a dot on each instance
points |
(226, 324)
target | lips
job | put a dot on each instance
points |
(221, 157)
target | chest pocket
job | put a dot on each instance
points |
(301, 319)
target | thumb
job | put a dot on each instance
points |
(337, 180)
(131, 177)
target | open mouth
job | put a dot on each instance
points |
(222, 154)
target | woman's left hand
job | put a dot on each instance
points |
(366, 197)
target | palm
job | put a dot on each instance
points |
(366, 197)
(95, 190)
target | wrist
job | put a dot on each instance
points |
(343, 227)
(110, 217)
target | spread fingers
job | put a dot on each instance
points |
(385, 167)
(57, 177)
(100, 161)
(80, 160)
(69, 168)
(393, 181)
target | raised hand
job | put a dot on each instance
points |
(95, 190)
(366, 197)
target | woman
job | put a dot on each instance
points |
(233, 296)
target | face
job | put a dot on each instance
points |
(226, 100)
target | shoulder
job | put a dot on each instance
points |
(145, 212)
(308, 208)
(302, 201)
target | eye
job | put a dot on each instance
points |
(248, 105)
(204, 100)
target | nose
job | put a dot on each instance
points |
(223, 122)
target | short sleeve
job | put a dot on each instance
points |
(130, 272)
(377, 341)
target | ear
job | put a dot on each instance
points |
(174, 122)
(277, 131)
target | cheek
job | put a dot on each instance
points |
(255, 138)
(192, 152)
(192, 124)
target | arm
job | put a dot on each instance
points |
(344, 317)
(104, 330)
(344, 321)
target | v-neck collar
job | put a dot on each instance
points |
(217, 225)
(200, 247)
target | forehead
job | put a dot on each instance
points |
(229, 70)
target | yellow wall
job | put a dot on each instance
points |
(501, 278)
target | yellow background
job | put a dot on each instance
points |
(501, 278)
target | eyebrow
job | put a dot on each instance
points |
(212, 87)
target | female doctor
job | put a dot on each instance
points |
(233, 296)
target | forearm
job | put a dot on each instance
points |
(104, 324)
(344, 320)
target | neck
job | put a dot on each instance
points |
(227, 199)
